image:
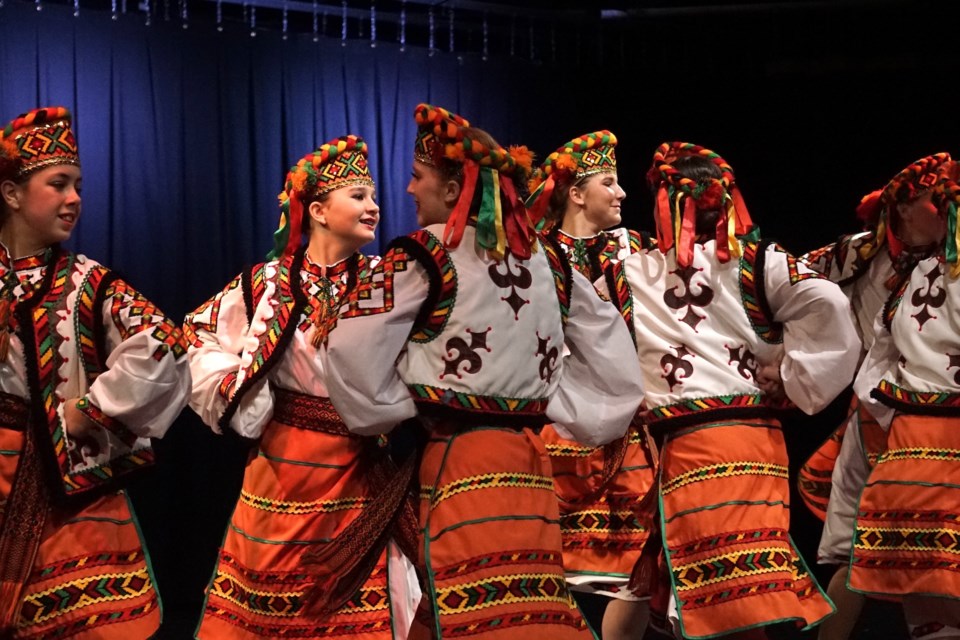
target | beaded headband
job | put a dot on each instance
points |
(37, 139)
(342, 162)
(584, 156)
(874, 209)
(502, 222)
(679, 198)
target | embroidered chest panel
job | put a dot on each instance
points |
(500, 339)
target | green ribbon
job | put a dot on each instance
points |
(486, 217)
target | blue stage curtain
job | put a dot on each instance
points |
(186, 134)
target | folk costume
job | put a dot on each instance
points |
(905, 539)
(470, 319)
(253, 351)
(600, 488)
(72, 560)
(706, 311)
(868, 268)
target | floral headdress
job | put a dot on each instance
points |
(342, 162)
(37, 139)
(678, 199)
(503, 225)
(585, 155)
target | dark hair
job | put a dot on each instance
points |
(305, 223)
(700, 169)
(557, 205)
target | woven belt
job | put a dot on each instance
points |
(307, 412)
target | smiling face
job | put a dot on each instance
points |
(599, 197)
(349, 214)
(43, 210)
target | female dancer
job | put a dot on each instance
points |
(253, 351)
(90, 370)
(601, 490)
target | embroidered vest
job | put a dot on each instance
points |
(491, 355)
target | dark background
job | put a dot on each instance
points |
(186, 133)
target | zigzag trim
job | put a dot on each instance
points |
(931, 403)
(492, 481)
(524, 557)
(503, 590)
(724, 470)
(436, 310)
(753, 294)
(477, 409)
(622, 296)
(514, 620)
(65, 598)
(562, 275)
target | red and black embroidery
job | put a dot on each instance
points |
(562, 274)
(931, 299)
(465, 353)
(621, 295)
(688, 299)
(744, 359)
(793, 267)
(549, 354)
(521, 279)
(677, 367)
(753, 295)
(430, 253)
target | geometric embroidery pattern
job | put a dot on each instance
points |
(498, 623)
(593, 521)
(730, 566)
(908, 539)
(210, 311)
(476, 563)
(427, 394)
(492, 481)
(299, 508)
(753, 304)
(569, 449)
(434, 323)
(374, 293)
(894, 395)
(698, 405)
(794, 269)
(921, 453)
(132, 313)
(45, 605)
(502, 590)
(725, 470)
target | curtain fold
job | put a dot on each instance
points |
(186, 134)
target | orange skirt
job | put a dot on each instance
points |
(815, 477)
(602, 533)
(305, 486)
(491, 538)
(725, 517)
(907, 538)
(91, 576)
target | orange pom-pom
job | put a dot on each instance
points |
(522, 156)
(454, 152)
(299, 180)
(565, 162)
(534, 183)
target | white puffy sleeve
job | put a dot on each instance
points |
(821, 344)
(215, 334)
(361, 351)
(147, 381)
(601, 387)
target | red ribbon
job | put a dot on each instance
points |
(515, 223)
(664, 224)
(744, 223)
(457, 222)
(688, 233)
(295, 220)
